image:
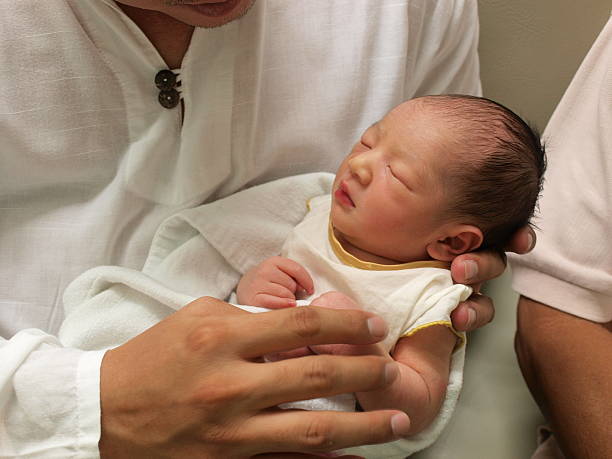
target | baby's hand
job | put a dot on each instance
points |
(274, 283)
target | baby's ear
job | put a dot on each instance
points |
(457, 239)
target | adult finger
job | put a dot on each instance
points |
(523, 240)
(473, 313)
(290, 328)
(303, 456)
(481, 266)
(318, 431)
(477, 267)
(298, 273)
(292, 354)
(313, 376)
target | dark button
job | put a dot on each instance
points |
(169, 99)
(165, 80)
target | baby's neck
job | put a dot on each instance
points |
(370, 257)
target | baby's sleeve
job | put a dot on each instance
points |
(435, 309)
(432, 309)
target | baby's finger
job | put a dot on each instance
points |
(273, 302)
(298, 273)
(275, 289)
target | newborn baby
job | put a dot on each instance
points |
(437, 177)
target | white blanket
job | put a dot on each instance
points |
(204, 251)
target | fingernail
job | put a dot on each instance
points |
(391, 372)
(377, 327)
(471, 318)
(470, 269)
(530, 240)
(400, 424)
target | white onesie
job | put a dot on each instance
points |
(409, 296)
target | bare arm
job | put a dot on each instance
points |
(567, 364)
(424, 363)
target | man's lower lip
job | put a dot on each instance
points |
(214, 9)
(343, 198)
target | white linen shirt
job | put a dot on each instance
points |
(90, 163)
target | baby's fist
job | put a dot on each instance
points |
(274, 283)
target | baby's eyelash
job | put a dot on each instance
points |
(397, 178)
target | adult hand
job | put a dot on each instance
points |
(473, 269)
(194, 385)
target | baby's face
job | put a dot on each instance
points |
(388, 196)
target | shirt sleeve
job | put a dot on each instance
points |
(436, 309)
(571, 266)
(445, 35)
(49, 398)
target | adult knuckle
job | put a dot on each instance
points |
(221, 435)
(319, 374)
(198, 307)
(219, 395)
(207, 336)
(317, 435)
(305, 322)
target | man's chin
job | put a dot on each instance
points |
(208, 15)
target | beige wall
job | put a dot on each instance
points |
(530, 49)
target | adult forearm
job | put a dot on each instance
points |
(566, 363)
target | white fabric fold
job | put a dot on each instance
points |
(40, 417)
(108, 305)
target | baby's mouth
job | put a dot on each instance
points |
(342, 196)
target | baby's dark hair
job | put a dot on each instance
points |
(497, 187)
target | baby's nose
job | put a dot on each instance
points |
(360, 168)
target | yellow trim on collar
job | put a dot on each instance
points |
(351, 260)
(446, 323)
